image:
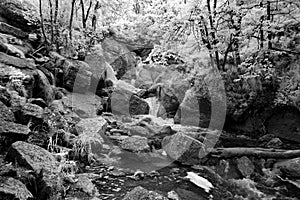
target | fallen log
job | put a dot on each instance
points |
(256, 152)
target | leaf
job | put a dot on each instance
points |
(199, 181)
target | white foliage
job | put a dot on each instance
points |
(199, 181)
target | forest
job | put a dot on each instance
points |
(149, 99)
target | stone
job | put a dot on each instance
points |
(245, 166)
(21, 14)
(85, 184)
(77, 76)
(117, 54)
(275, 143)
(16, 62)
(32, 157)
(169, 102)
(32, 110)
(16, 102)
(4, 96)
(6, 114)
(125, 102)
(43, 89)
(290, 168)
(8, 29)
(93, 128)
(13, 130)
(84, 105)
(140, 193)
(135, 144)
(38, 101)
(184, 149)
(11, 188)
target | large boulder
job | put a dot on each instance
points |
(31, 111)
(140, 193)
(11, 188)
(8, 29)
(16, 62)
(117, 54)
(84, 105)
(77, 77)
(13, 130)
(184, 148)
(42, 162)
(32, 157)
(20, 13)
(124, 101)
(43, 89)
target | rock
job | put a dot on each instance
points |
(4, 96)
(43, 89)
(6, 114)
(138, 106)
(13, 130)
(169, 102)
(275, 143)
(140, 193)
(117, 54)
(125, 102)
(85, 184)
(20, 13)
(42, 163)
(135, 144)
(58, 106)
(84, 105)
(77, 77)
(11, 188)
(16, 62)
(245, 166)
(138, 130)
(285, 124)
(32, 157)
(38, 101)
(184, 149)
(31, 110)
(290, 168)
(8, 29)
(16, 102)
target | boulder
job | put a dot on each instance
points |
(118, 56)
(184, 149)
(43, 89)
(20, 13)
(13, 130)
(41, 162)
(136, 144)
(16, 62)
(84, 105)
(85, 184)
(245, 166)
(77, 77)
(290, 168)
(4, 96)
(16, 102)
(31, 110)
(32, 157)
(125, 102)
(11, 188)
(93, 126)
(11, 30)
(169, 102)
(140, 193)
(38, 101)
(6, 114)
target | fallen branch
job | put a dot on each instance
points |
(256, 152)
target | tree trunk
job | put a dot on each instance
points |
(51, 20)
(256, 152)
(42, 22)
(71, 18)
